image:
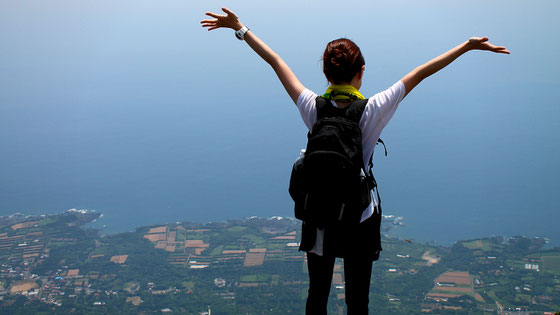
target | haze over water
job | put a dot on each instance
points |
(132, 109)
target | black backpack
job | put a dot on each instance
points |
(329, 184)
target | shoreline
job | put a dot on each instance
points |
(393, 226)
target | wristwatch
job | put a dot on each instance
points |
(240, 33)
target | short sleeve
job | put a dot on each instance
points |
(306, 106)
(379, 110)
(386, 102)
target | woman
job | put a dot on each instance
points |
(343, 66)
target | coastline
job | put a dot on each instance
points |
(393, 226)
(52, 261)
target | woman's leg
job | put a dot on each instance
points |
(320, 278)
(357, 277)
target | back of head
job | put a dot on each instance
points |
(342, 60)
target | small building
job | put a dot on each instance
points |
(219, 282)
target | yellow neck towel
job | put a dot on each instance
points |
(343, 93)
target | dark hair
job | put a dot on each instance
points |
(342, 60)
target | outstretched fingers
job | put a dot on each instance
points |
(214, 15)
(501, 50)
(497, 49)
(228, 20)
(229, 12)
(215, 23)
(481, 43)
(211, 27)
(209, 23)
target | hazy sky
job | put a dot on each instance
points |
(131, 108)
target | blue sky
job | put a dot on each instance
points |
(131, 108)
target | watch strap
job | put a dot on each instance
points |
(240, 33)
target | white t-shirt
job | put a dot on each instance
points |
(377, 113)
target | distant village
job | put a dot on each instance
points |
(224, 258)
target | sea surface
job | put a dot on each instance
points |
(136, 112)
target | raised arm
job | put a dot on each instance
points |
(420, 73)
(284, 73)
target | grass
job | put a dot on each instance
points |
(274, 255)
(249, 278)
(217, 251)
(275, 246)
(237, 229)
(188, 284)
(60, 243)
(47, 220)
(551, 263)
(523, 298)
(233, 247)
(259, 241)
(180, 236)
(255, 278)
(483, 245)
(194, 236)
(103, 250)
(492, 295)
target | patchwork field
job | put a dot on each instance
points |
(455, 277)
(478, 244)
(453, 283)
(254, 266)
(20, 286)
(551, 263)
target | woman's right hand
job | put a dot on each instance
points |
(229, 20)
(284, 73)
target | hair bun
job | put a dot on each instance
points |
(342, 60)
(334, 62)
(338, 55)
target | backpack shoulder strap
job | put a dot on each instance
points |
(322, 105)
(355, 110)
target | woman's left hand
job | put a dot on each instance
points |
(229, 20)
(481, 43)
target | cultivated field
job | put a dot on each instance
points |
(455, 277)
(454, 289)
(21, 286)
(551, 263)
(460, 281)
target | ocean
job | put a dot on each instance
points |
(138, 113)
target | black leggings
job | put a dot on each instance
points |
(357, 277)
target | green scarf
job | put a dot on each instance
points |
(343, 93)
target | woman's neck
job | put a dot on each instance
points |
(343, 104)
